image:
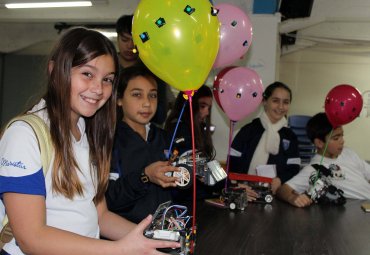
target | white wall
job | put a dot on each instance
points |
(262, 56)
(311, 74)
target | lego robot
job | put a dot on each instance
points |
(210, 172)
(261, 185)
(321, 189)
(171, 222)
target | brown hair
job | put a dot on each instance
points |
(77, 47)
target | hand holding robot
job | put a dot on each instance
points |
(209, 172)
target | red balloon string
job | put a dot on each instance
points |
(190, 94)
(231, 131)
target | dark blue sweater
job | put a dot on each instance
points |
(246, 142)
(128, 196)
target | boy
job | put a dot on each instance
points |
(125, 43)
(349, 173)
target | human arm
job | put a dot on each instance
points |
(27, 218)
(275, 184)
(125, 185)
(287, 160)
(363, 165)
(112, 226)
(293, 191)
(124, 191)
(156, 173)
(242, 149)
(23, 190)
(288, 194)
(28, 221)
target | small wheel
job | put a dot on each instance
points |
(268, 198)
(232, 206)
(184, 175)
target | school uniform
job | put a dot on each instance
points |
(287, 159)
(128, 194)
(21, 172)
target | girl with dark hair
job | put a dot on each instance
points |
(201, 107)
(64, 212)
(267, 140)
(138, 183)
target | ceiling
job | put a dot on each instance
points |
(332, 22)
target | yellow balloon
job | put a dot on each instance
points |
(177, 40)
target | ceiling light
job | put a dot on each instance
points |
(48, 4)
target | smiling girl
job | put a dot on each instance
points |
(267, 140)
(65, 212)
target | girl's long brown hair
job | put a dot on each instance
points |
(77, 47)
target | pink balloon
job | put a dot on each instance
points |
(238, 91)
(235, 34)
(343, 104)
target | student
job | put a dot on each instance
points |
(352, 173)
(138, 183)
(125, 44)
(201, 106)
(268, 140)
(65, 211)
(128, 58)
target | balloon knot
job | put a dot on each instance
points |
(188, 93)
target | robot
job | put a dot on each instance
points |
(321, 189)
(262, 185)
(210, 172)
(234, 198)
(171, 222)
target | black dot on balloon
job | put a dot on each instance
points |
(245, 43)
(221, 91)
(234, 23)
(238, 95)
(342, 104)
(353, 109)
(254, 94)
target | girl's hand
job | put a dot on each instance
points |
(156, 173)
(136, 243)
(251, 194)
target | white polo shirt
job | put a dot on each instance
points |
(21, 172)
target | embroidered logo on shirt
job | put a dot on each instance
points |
(18, 164)
(286, 144)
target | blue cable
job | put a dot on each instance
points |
(174, 133)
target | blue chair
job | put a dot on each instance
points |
(297, 124)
